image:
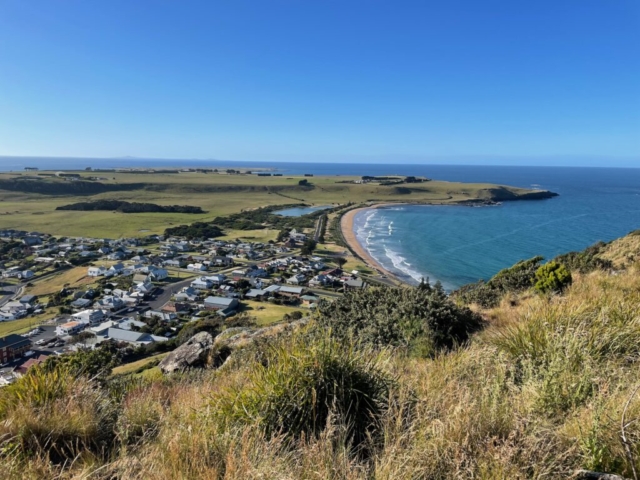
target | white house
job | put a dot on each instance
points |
(196, 267)
(88, 316)
(158, 274)
(202, 283)
(69, 328)
(96, 271)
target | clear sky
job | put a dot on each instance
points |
(326, 80)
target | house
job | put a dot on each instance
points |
(69, 328)
(16, 308)
(202, 283)
(110, 302)
(309, 300)
(13, 346)
(222, 261)
(26, 274)
(101, 330)
(196, 267)
(134, 338)
(158, 274)
(22, 369)
(256, 294)
(166, 316)
(176, 307)
(117, 255)
(319, 280)
(297, 279)
(96, 271)
(216, 279)
(28, 300)
(354, 284)
(175, 262)
(131, 323)
(224, 306)
(187, 294)
(116, 269)
(88, 316)
(81, 303)
(294, 292)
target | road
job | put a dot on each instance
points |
(16, 291)
(166, 292)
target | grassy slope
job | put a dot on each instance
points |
(232, 193)
(538, 394)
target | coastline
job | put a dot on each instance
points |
(346, 227)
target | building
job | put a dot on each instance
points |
(196, 267)
(88, 316)
(96, 271)
(134, 338)
(12, 347)
(224, 306)
(69, 328)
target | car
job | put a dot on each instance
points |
(58, 344)
(40, 342)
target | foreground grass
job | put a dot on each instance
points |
(543, 391)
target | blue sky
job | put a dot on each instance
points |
(322, 80)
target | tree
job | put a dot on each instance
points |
(552, 277)
(308, 247)
(340, 261)
(303, 183)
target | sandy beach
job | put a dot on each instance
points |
(346, 225)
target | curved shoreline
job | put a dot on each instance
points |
(349, 235)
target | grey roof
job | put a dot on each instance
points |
(15, 341)
(219, 300)
(254, 292)
(125, 335)
(28, 298)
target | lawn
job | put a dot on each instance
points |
(353, 263)
(256, 236)
(24, 324)
(133, 366)
(269, 313)
(74, 277)
(216, 194)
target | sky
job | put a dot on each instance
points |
(323, 80)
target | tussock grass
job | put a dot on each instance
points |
(539, 394)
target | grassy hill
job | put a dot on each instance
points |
(30, 202)
(537, 386)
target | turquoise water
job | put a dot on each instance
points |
(299, 211)
(458, 245)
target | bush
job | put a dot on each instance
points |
(304, 383)
(552, 277)
(514, 279)
(421, 319)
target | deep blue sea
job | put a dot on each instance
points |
(458, 245)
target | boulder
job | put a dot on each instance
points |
(192, 354)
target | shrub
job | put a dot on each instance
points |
(517, 278)
(307, 381)
(421, 319)
(552, 277)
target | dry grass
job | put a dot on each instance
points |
(538, 395)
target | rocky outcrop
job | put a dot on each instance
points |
(194, 353)
(202, 350)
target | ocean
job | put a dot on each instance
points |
(457, 245)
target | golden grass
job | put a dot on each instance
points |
(75, 277)
(488, 410)
(133, 366)
(267, 313)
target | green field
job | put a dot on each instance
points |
(217, 194)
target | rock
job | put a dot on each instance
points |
(192, 354)
(587, 475)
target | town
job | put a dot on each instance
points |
(61, 294)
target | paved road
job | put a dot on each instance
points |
(166, 292)
(16, 291)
